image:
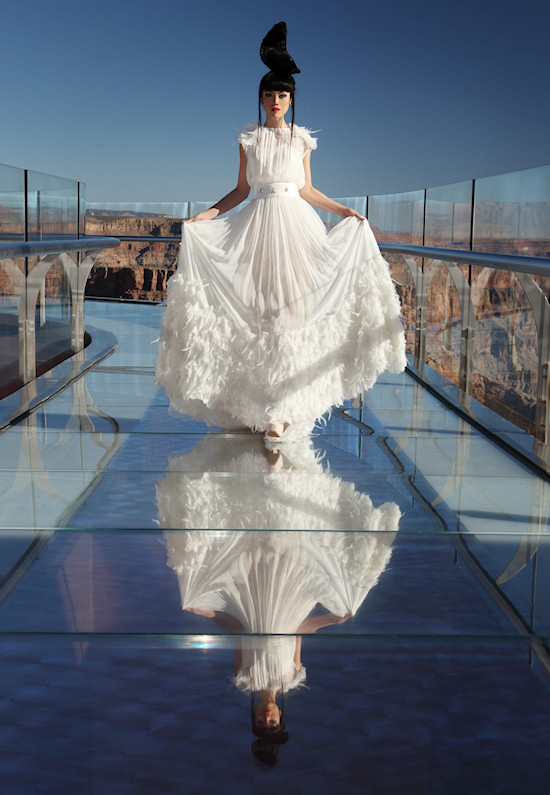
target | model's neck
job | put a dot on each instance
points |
(267, 695)
(281, 123)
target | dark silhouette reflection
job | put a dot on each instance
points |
(301, 559)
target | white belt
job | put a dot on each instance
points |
(276, 189)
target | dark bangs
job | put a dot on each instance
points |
(274, 82)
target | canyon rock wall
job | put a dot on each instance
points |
(137, 270)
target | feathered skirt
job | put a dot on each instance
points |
(269, 317)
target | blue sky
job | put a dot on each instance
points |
(142, 100)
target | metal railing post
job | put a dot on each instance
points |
(466, 340)
(49, 251)
(421, 312)
(473, 215)
(543, 381)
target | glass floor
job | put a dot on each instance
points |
(391, 573)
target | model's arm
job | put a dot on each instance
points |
(224, 620)
(313, 623)
(298, 653)
(318, 199)
(236, 196)
(238, 657)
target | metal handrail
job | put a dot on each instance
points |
(55, 246)
(486, 259)
(148, 239)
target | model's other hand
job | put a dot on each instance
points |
(200, 612)
(348, 212)
(206, 215)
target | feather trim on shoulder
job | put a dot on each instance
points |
(306, 136)
(248, 136)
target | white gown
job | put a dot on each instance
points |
(268, 316)
(271, 572)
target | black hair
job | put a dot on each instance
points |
(272, 81)
(266, 750)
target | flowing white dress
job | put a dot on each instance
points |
(269, 316)
(305, 537)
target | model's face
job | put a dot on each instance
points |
(267, 714)
(276, 103)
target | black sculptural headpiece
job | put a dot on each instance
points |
(274, 54)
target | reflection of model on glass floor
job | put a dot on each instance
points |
(261, 583)
(265, 584)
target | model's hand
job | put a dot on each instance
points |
(206, 215)
(343, 619)
(348, 212)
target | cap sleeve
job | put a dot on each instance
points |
(306, 136)
(248, 135)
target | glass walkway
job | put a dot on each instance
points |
(400, 558)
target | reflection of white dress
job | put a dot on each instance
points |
(268, 316)
(268, 578)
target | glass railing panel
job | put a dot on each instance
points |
(12, 274)
(443, 322)
(82, 208)
(52, 206)
(512, 213)
(12, 289)
(405, 272)
(505, 362)
(52, 317)
(357, 203)
(12, 203)
(140, 269)
(448, 215)
(398, 217)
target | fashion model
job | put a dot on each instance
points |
(270, 319)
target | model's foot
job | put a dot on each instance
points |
(275, 429)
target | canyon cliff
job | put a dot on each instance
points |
(137, 270)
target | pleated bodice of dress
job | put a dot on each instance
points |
(275, 154)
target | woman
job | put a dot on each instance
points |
(271, 320)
